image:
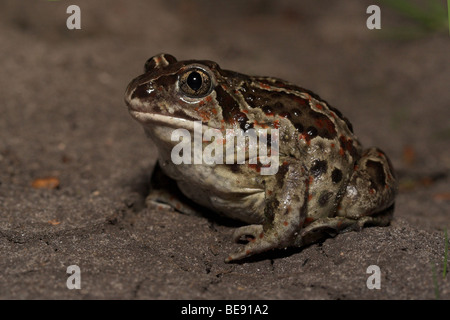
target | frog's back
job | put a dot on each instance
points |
(300, 114)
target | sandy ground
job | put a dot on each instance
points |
(62, 116)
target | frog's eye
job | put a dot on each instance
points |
(195, 83)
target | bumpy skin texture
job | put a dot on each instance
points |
(325, 184)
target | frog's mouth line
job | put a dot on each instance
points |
(150, 120)
(147, 118)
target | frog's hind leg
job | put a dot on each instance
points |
(330, 227)
(165, 194)
(367, 200)
(369, 196)
(285, 212)
(247, 233)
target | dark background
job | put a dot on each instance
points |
(63, 122)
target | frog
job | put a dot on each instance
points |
(326, 183)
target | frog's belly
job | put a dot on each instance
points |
(238, 196)
(247, 207)
(213, 187)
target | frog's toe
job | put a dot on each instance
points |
(260, 242)
(236, 256)
(161, 199)
(244, 252)
(153, 203)
(380, 219)
(251, 234)
(255, 246)
(247, 233)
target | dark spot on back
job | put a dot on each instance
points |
(299, 127)
(249, 98)
(316, 124)
(291, 105)
(280, 176)
(312, 132)
(267, 110)
(347, 144)
(336, 175)
(285, 114)
(269, 212)
(296, 112)
(278, 106)
(319, 167)
(268, 101)
(322, 124)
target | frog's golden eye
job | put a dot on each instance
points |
(195, 83)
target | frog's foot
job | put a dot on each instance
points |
(323, 228)
(381, 219)
(168, 201)
(247, 233)
(257, 241)
(285, 211)
(165, 194)
(258, 244)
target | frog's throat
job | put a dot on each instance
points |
(151, 119)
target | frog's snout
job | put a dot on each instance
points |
(140, 89)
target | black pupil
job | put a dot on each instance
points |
(194, 80)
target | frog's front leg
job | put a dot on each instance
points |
(164, 193)
(285, 212)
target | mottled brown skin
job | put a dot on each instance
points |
(325, 184)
